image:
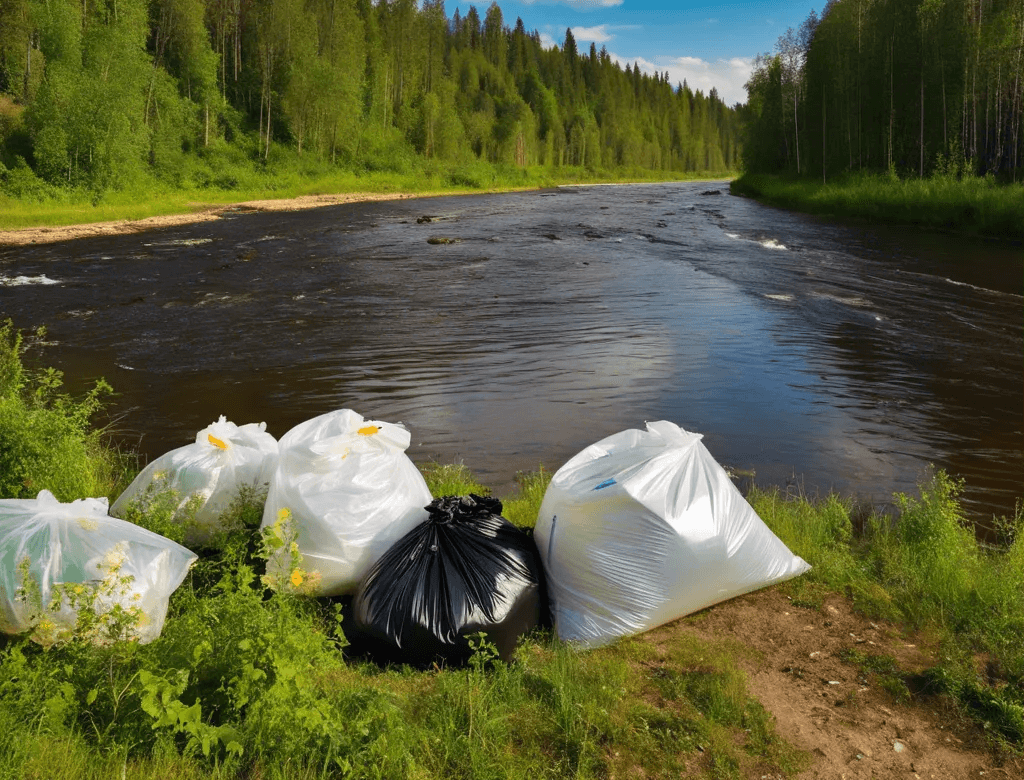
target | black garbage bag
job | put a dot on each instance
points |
(465, 569)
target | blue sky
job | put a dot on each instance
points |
(708, 45)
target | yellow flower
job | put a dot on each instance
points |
(297, 577)
(283, 514)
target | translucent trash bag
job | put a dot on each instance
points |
(207, 474)
(71, 570)
(346, 491)
(644, 527)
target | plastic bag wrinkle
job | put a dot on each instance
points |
(464, 569)
(649, 528)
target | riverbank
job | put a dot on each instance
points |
(901, 652)
(202, 213)
(974, 206)
(24, 222)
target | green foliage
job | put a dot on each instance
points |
(894, 87)
(522, 508)
(134, 95)
(46, 442)
(924, 568)
(451, 479)
(968, 204)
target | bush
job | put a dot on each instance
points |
(46, 438)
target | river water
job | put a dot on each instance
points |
(817, 355)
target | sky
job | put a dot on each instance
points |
(708, 45)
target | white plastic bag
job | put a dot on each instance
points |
(223, 458)
(644, 527)
(348, 491)
(58, 560)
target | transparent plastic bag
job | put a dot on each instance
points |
(72, 571)
(347, 491)
(644, 527)
(207, 474)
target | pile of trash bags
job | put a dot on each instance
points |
(636, 530)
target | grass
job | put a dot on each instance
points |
(971, 205)
(224, 175)
(248, 682)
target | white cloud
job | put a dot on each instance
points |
(547, 41)
(597, 34)
(726, 76)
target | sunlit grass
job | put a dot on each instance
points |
(970, 205)
(225, 179)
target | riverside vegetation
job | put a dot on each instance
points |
(249, 682)
(111, 104)
(894, 110)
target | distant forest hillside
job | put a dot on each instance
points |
(97, 93)
(916, 87)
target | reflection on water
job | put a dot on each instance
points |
(537, 323)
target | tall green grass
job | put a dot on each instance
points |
(924, 569)
(47, 440)
(225, 174)
(967, 205)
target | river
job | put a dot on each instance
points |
(818, 355)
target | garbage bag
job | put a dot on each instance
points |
(207, 474)
(71, 570)
(346, 490)
(644, 527)
(465, 569)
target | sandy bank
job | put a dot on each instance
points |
(50, 234)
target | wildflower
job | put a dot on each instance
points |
(297, 577)
(113, 560)
(283, 514)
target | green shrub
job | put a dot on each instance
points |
(46, 439)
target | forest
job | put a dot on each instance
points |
(910, 88)
(100, 95)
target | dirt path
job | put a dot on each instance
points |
(45, 235)
(826, 706)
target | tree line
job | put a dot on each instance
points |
(94, 93)
(916, 87)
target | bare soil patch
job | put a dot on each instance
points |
(828, 707)
(50, 234)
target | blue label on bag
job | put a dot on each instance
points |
(605, 484)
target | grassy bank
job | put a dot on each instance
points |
(27, 201)
(970, 205)
(247, 682)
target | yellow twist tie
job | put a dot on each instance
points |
(216, 442)
(368, 430)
